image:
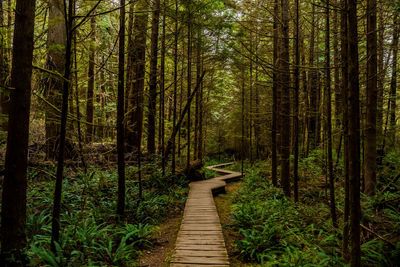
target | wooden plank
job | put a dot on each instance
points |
(195, 264)
(201, 260)
(198, 253)
(200, 241)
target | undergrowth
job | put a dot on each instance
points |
(90, 233)
(276, 231)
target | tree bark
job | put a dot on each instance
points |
(56, 44)
(151, 116)
(312, 79)
(189, 81)
(393, 82)
(55, 226)
(284, 73)
(173, 165)
(275, 96)
(296, 105)
(344, 89)
(13, 213)
(329, 114)
(136, 76)
(91, 77)
(372, 95)
(121, 113)
(354, 135)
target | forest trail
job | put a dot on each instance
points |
(200, 240)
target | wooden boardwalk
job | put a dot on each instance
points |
(200, 241)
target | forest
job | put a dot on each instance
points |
(199, 133)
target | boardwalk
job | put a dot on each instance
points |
(200, 240)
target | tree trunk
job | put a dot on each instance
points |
(344, 88)
(162, 91)
(189, 81)
(354, 135)
(56, 42)
(197, 101)
(151, 116)
(91, 77)
(275, 96)
(121, 113)
(381, 80)
(312, 79)
(393, 82)
(55, 229)
(329, 115)
(284, 85)
(296, 105)
(13, 213)
(173, 167)
(372, 95)
(136, 77)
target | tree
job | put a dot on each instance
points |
(354, 135)
(121, 113)
(136, 74)
(329, 115)
(393, 81)
(345, 92)
(13, 213)
(151, 122)
(91, 77)
(56, 44)
(173, 165)
(275, 95)
(284, 84)
(55, 223)
(296, 105)
(372, 95)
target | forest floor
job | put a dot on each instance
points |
(165, 237)
(224, 205)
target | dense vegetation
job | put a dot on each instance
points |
(109, 109)
(271, 230)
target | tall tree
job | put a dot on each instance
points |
(189, 79)
(344, 90)
(275, 95)
(151, 116)
(372, 95)
(175, 85)
(121, 112)
(393, 81)
(296, 104)
(55, 223)
(329, 113)
(354, 134)
(91, 79)
(56, 44)
(284, 84)
(13, 213)
(136, 74)
(313, 90)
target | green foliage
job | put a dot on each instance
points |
(278, 232)
(89, 233)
